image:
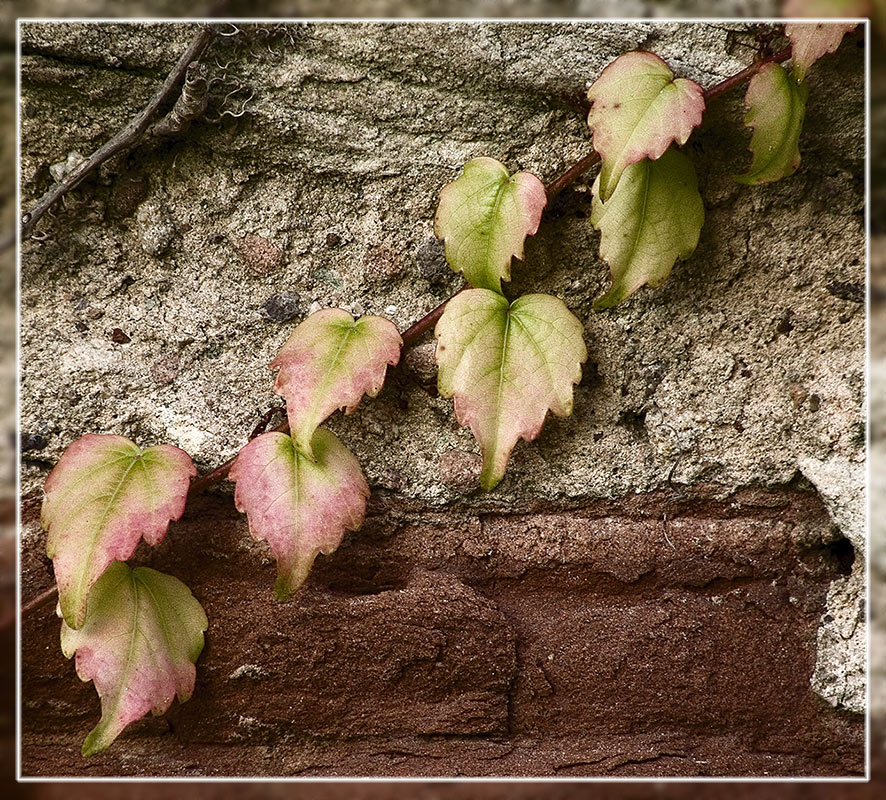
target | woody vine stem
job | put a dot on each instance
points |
(133, 131)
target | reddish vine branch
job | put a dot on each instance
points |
(42, 599)
(572, 174)
(745, 75)
(410, 336)
(415, 331)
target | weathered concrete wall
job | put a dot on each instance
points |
(745, 369)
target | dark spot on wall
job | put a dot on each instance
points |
(634, 421)
(130, 189)
(844, 553)
(590, 376)
(31, 441)
(381, 263)
(430, 258)
(785, 326)
(846, 290)
(281, 307)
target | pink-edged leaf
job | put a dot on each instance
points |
(299, 506)
(813, 40)
(638, 109)
(330, 361)
(506, 364)
(141, 638)
(484, 217)
(104, 496)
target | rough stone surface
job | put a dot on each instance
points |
(746, 368)
(702, 369)
(154, 229)
(654, 356)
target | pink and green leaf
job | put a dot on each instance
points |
(653, 218)
(812, 40)
(506, 364)
(141, 638)
(329, 362)
(638, 109)
(484, 218)
(776, 109)
(102, 498)
(300, 506)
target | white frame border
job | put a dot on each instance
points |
(864, 22)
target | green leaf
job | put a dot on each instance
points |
(484, 217)
(812, 40)
(141, 638)
(330, 361)
(653, 218)
(637, 111)
(300, 506)
(506, 364)
(102, 498)
(776, 108)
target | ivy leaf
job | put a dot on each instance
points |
(330, 361)
(776, 108)
(300, 506)
(506, 364)
(638, 111)
(653, 218)
(105, 495)
(484, 217)
(141, 638)
(810, 41)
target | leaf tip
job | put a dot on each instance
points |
(490, 478)
(292, 574)
(287, 585)
(97, 740)
(72, 605)
(609, 300)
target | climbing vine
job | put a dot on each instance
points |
(504, 361)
